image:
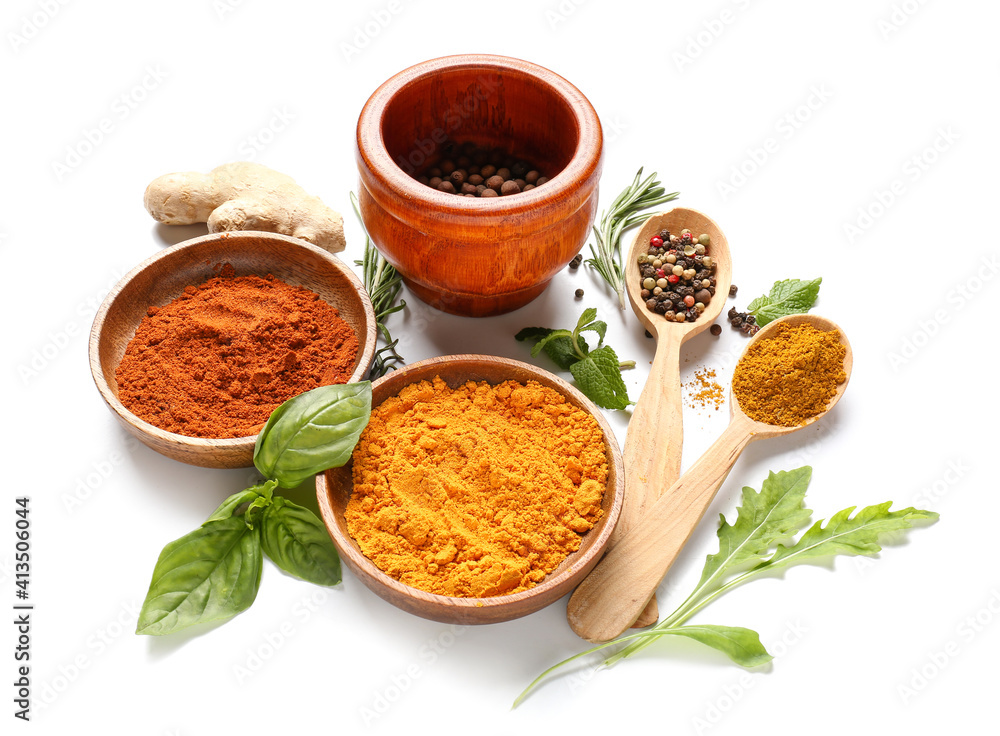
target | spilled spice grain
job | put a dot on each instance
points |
(704, 392)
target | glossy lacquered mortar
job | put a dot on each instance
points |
(334, 488)
(478, 256)
(163, 277)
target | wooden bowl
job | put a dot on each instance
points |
(475, 256)
(162, 278)
(333, 490)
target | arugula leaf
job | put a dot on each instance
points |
(762, 520)
(846, 536)
(740, 645)
(599, 376)
(790, 296)
(211, 574)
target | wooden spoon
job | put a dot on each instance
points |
(608, 601)
(656, 432)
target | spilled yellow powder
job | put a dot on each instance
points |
(704, 392)
(476, 491)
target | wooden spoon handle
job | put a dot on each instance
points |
(653, 444)
(614, 594)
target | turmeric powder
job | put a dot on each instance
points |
(791, 376)
(476, 491)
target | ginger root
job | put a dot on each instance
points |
(245, 196)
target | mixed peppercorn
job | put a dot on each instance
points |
(678, 275)
(474, 171)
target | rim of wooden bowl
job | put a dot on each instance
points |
(569, 183)
(208, 452)
(494, 609)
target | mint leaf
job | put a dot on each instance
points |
(559, 348)
(554, 335)
(740, 645)
(763, 519)
(532, 333)
(790, 296)
(846, 536)
(599, 377)
(588, 316)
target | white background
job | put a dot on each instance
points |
(690, 90)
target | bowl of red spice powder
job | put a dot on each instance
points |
(195, 347)
(483, 489)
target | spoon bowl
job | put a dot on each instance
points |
(613, 596)
(656, 432)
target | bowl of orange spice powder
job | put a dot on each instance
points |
(483, 489)
(195, 347)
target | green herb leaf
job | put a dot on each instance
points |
(764, 519)
(740, 645)
(211, 574)
(232, 504)
(314, 431)
(625, 212)
(554, 335)
(846, 536)
(298, 543)
(791, 296)
(559, 349)
(600, 378)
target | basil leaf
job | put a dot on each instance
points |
(298, 543)
(600, 378)
(314, 431)
(740, 645)
(790, 296)
(211, 574)
(232, 504)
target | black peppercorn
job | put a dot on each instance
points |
(716, 330)
(651, 304)
(577, 260)
(578, 293)
(733, 289)
(645, 294)
(661, 307)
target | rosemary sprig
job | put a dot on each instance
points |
(383, 284)
(625, 212)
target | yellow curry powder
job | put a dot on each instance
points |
(475, 491)
(790, 376)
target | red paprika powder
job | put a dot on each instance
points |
(217, 360)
